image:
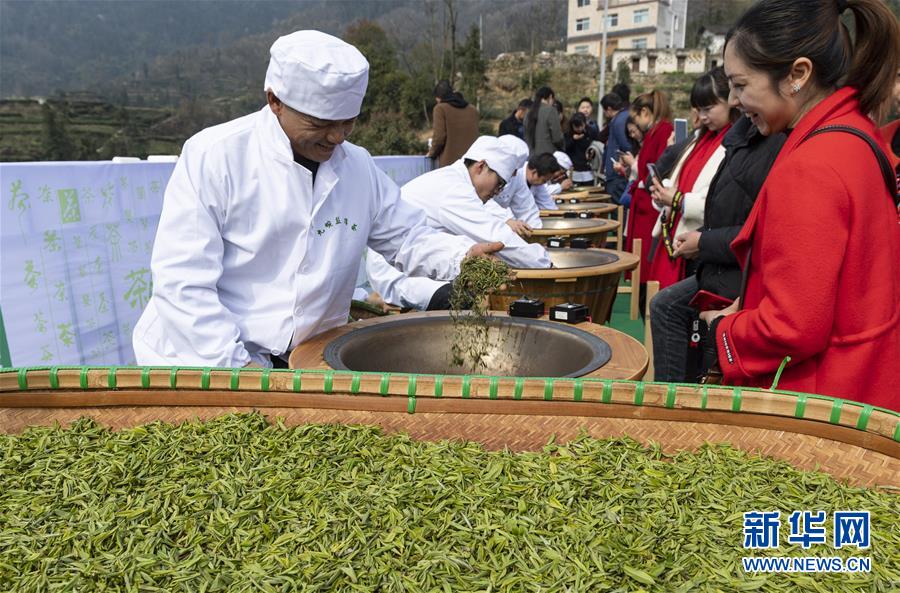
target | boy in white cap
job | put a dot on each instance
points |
(561, 181)
(455, 199)
(515, 201)
(265, 219)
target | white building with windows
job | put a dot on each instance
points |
(631, 24)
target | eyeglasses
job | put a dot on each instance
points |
(315, 122)
(500, 182)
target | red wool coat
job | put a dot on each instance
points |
(642, 215)
(824, 279)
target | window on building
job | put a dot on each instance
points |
(612, 20)
(635, 64)
(642, 16)
(680, 63)
(582, 24)
(583, 3)
(639, 43)
(581, 49)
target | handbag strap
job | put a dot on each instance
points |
(890, 180)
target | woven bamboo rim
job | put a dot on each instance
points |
(594, 192)
(849, 440)
(596, 210)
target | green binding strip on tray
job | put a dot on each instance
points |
(836, 407)
(145, 377)
(897, 432)
(800, 410)
(548, 389)
(297, 383)
(111, 377)
(670, 395)
(519, 388)
(439, 386)
(577, 390)
(23, 378)
(639, 394)
(466, 386)
(863, 421)
(328, 382)
(204, 379)
(385, 384)
(492, 389)
(264, 379)
(54, 378)
(606, 397)
(83, 378)
(235, 383)
(173, 378)
(411, 387)
(354, 383)
(411, 403)
(737, 399)
(704, 397)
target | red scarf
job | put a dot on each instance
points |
(665, 269)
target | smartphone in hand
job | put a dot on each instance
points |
(709, 301)
(681, 130)
(652, 174)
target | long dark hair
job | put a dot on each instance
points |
(710, 89)
(774, 33)
(531, 117)
(577, 119)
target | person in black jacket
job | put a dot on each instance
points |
(515, 123)
(676, 326)
(577, 143)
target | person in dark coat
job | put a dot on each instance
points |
(515, 123)
(748, 157)
(454, 125)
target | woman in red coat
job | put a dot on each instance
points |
(821, 247)
(651, 114)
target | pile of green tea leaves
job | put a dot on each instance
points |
(238, 504)
(478, 278)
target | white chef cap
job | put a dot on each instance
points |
(498, 156)
(517, 146)
(317, 74)
(563, 159)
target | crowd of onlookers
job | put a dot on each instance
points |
(768, 215)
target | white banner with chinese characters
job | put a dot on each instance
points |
(75, 245)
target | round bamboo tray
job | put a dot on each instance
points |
(594, 230)
(582, 199)
(583, 192)
(592, 285)
(595, 209)
(629, 357)
(851, 441)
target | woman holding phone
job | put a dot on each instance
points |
(652, 116)
(682, 197)
(821, 247)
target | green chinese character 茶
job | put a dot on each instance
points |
(65, 333)
(51, 241)
(139, 292)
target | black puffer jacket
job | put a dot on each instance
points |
(748, 157)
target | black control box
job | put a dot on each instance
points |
(526, 307)
(579, 243)
(570, 214)
(556, 242)
(569, 313)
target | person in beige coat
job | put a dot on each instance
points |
(455, 125)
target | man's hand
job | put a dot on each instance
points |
(710, 316)
(485, 249)
(378, 301)
(521, 229)
(566, 184)
(687, 245)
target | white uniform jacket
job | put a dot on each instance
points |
(518, 198)
(450, 203)
(397, 288)
(252, 258)
(542, 197)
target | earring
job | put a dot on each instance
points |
(795, 88)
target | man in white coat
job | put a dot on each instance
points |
(457, 199)
(515, 201)
(266, 217)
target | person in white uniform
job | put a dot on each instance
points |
(266, 217)
(515, 201)
(561, 180)
(456, 198)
